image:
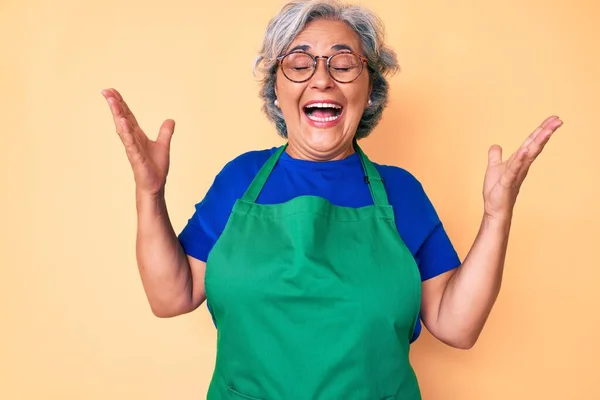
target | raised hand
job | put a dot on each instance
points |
(503, 179)
(149, 159)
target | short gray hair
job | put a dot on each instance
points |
(292, 19)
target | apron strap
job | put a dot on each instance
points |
(261, 178)
(372, 178)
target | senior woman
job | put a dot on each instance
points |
(317, 264)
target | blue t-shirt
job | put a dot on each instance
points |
(342, 183)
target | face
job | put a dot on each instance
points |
(325, 132)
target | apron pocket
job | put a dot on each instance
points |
(241, 395)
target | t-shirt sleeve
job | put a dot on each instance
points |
(210, 217)
(419, 224)
(437, 254)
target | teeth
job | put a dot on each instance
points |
(328, 119)
(323, 105)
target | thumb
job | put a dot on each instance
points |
(165, 132)
(494, 155)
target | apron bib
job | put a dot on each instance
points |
(312, 301)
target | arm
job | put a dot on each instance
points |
(456, 304)
(173, 281)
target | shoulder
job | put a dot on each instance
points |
(233, 179)
(212, 211)
(238, 172)
(418, 222)
(408, 195)
(395, 177)
(248, 161)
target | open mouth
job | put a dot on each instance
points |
(323, 112)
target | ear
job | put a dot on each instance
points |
(276, 101)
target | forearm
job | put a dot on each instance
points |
(472, 291)
(163, 265)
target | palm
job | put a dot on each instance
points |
(495, 192)
(149, 159)
(151, 165)
(503, 179)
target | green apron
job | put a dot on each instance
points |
(312, 301)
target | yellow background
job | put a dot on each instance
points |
(74, 319)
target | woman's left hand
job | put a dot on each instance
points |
(503, 179)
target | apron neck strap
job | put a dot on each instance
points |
(261, 178)
(372, 177)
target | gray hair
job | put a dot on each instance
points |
(292, 19)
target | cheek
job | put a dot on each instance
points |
(357, 100)
(288, 95)
(357, 93)
(283, 86)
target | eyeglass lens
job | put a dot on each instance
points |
(343, 67)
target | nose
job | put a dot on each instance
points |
(321, 78)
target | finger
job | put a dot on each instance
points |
(539, 129)
(115, 109)
(531, 137)
(166, 132)
(116, 93)
(515, 168)
(132, 147)
(494, 155)
(549, 120)
(111, 93)
(126, 111)
(539, 142)
(525, 156)
(125, 132)
(123, 124)
(116, 104)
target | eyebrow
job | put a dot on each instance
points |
(335, 47)
(338, 47)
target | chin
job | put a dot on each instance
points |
(324, 141)
(326, 144)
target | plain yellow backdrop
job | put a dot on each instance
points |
(74, 319)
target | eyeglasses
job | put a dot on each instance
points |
(298, 66)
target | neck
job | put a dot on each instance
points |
(308, 154)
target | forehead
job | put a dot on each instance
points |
(322, 35)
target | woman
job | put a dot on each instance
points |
(317, 264)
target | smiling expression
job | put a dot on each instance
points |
(321, 114)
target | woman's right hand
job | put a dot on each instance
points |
(149, 159)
